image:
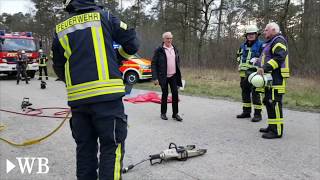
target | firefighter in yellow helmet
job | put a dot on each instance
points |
(247, 54)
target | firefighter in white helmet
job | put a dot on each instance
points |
(247, 54)
(22, 62)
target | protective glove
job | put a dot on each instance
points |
(253, 60)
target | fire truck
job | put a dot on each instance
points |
(134, 69)
(10, 44)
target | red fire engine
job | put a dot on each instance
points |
(10, 44)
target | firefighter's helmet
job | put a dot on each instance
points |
(251, 29)
(260, 81)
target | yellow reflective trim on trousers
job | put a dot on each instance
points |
(272, 98)
(279, 45)
(275, 121)
(93, 84)
(277, 110)
(95, 92)
(117, 164)
(257, 107)
(281, 88)
(273, 63)
(246, 105)
(261, 89)
(123, 53)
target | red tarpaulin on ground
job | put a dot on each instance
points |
(147, 97)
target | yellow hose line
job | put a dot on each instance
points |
(33, 141)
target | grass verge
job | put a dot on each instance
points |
(302, 94)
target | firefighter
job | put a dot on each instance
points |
(42, 64)
(22, 62)
(83, 57)
(274, 60)
(247, 54)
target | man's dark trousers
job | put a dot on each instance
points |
(247, 91)
(44, 69)
(106, 122)
(172, 81)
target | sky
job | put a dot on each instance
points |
(15, 6)
(26, 6)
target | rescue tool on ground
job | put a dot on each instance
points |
(180, 153)
(25, 103)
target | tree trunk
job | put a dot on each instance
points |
(219, 21)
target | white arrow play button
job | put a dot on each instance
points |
(10, 166)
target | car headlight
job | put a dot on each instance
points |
(145, 67)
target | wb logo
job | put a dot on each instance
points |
(26, 165)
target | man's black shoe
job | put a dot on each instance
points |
(256, 118)
(177, 117)
(271, 135)
(244, 115)
(164, 117)
(264, 130)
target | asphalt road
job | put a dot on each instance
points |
(235, 147)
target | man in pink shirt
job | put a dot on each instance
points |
(166, 71)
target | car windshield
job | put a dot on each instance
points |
(136, 56)
(11, 44)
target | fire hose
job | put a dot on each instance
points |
(36, 113)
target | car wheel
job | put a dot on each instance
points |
(131, 77)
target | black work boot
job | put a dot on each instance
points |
(177, 117)
(273, 132)
(17, 82)
(164, 117)
(264, 130)
(244, 115)
(256, 118)
(271, 135)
